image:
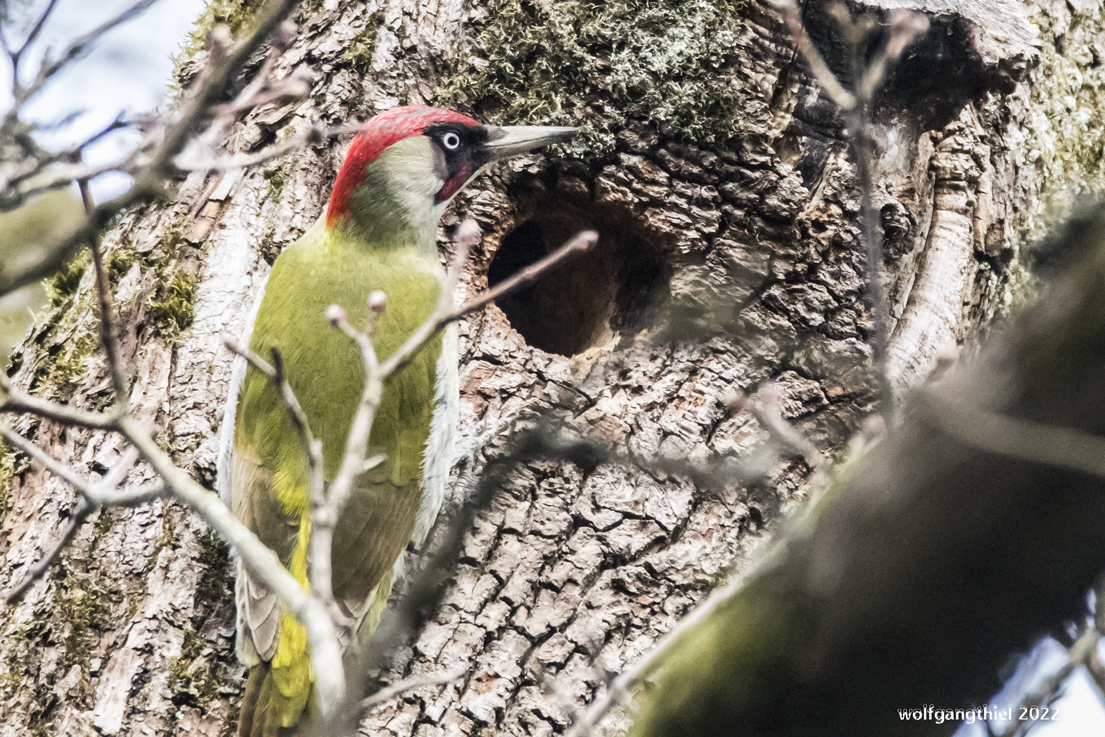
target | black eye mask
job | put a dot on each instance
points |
(463, 150)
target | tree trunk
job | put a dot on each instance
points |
(719, 178)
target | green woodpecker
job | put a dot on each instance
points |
(378, 233)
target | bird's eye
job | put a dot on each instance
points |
(450, 141)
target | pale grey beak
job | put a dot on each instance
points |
(510, 140)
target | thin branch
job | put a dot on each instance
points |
(14, 399)
(59, 170)
(79, 48)
(326, 658)
(904, 28)
(316, 133)
(859, 128)
(149, 178)
(818, 66)
(371, 396)
(578, 245)
(79, 516)
(769, 413)
(621, 687)
(311, 446)
(55, 467)
(408, 684)
(1010, 436)
(106, 323)
(92, 497)
(17, 55)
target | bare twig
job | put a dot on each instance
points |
(356, 444)
(321, 634)
(106, 322)
(191, 160)
(408, 684)
(78, 517)
(13, 399)
(1011, 436)
(149, 177)
(17, 55)
(92, 497)
(578, 245)
(903, 29)
(768, 411)
(312, 447)
(56, 467)
(78, 49)
(858, 126)
(844, 99)
(262, 90)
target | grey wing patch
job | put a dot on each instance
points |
(244, 648)
(262, 615)
(258, 606)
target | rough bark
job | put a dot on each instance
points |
(717, 175)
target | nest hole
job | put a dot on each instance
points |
(591, 300)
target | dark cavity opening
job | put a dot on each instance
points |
(588, 301)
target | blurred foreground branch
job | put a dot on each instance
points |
(984, 506)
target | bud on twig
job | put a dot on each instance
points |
(467, 235)
(335, 314)
(219, 40)
(285, 35)
(377, 302)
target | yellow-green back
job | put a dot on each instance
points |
(326, 372)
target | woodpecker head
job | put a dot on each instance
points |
(406, 164)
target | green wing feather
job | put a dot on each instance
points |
(325, 370)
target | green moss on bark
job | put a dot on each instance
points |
(7, 476)
(84, 602)
(234, 14)
(68, 367)
(669, 62)
(64, 284)
(191, 676)
(362, 46)
(275, 179)
(172, 308)
(1065, 126)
